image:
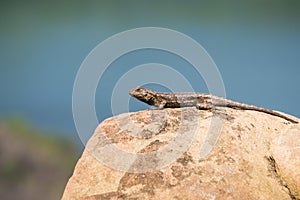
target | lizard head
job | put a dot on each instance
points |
(143, 94)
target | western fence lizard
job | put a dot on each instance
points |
(190, 99)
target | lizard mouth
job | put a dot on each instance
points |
(131, 92)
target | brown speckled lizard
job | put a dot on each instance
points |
(190, 99)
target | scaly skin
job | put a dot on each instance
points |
(190, 99)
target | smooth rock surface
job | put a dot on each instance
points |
(187, 153)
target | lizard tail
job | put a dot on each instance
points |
(236, 105)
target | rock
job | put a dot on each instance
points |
(187, 153)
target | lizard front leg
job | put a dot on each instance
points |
(161, 105)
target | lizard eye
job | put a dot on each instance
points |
(144, 93)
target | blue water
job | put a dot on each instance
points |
(258, 59)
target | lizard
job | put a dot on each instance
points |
(192, 99)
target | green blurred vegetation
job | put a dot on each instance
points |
(33, 165)
(48, 143)
(20, 14)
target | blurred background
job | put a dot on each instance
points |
(255, 45)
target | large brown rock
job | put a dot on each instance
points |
(254, 156)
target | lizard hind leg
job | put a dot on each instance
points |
(204, 106)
